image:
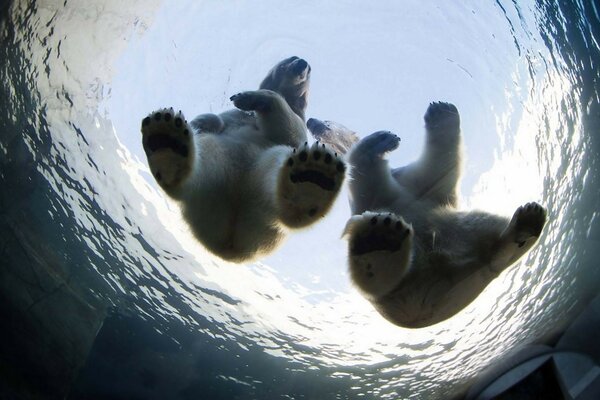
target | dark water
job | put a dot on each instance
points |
(89, 245)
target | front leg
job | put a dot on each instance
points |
(307, 184)
(168, 143)
(380, 247)
(372, 186)
(521, 234)
(275, 118)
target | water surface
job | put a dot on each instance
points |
(180, 322)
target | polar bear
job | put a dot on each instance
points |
(245, 177)
(411, 252)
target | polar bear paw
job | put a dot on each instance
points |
(442, 117)
(378, 232)
(528, 222)
(308, 184)
(379, 251)
(261, 101)
(376, 145)
(167, 141)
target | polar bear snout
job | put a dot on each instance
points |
(316, 127)
(299, 67)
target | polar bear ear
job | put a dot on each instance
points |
(336, 135)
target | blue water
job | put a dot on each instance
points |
(179, 323)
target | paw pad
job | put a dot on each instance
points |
(440, 114)
(309, 181)
(377, 144)
(529, 221)
(168, 145)
(307, 166)
(379, 232)
(252, 101)
(159, 133)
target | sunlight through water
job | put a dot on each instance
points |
(80, 77)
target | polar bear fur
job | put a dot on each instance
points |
(411, 252)
(243, 178)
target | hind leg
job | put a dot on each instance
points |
(290, 78)
(308, 183)
(208, 123)
(435, 175)
(379, 252)
(169, 147)
(521, 234)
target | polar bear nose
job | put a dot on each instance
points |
(298, 66)
(315, 126)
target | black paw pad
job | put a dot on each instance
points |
(382, 234)
(159, 141)
(159, 133)
(251, 101)
(531, 219)
(442, 113)
(316, 165)
(314, 177)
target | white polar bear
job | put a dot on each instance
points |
(411, 252)
(246, 176)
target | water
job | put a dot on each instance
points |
(77, 197)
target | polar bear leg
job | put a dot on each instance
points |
(207, 123)
(519, 236)
(442, 156)
(290, 78)
(379, 251)
(372, 185)
(168, 143)
(274, 116)
(307, 184)
(435, 175)
(442, 122)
